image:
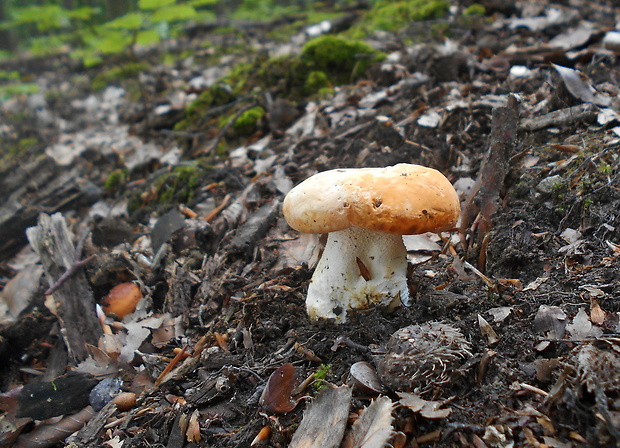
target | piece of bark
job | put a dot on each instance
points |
(483, 201)
(48, 435)
(561, 117)
(37, 187)
(165, 227)
(75, 304)
(178, 297)
(255, 228)
(176, 438)
(374, 426)
(88, 436)
(325, 420)
(63, 395)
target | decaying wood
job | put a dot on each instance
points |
(63, 395)
(255, 228)
(38, 187)
(325, 420)
(562, 117)
(50, 434)
(75, 304)
(88, 436)
(180, 283)
(483, 201)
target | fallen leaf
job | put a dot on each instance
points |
(487, 331)
(276, 396)
(500, 313)
(193, 428)
(374, 426)
(426, 408)
(578, 84)
(597, 315)
(582, 328)
(325, 420)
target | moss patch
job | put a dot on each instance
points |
(474, 10)
(344, 60)
(116, 179)
(179, 185)
(247, 123)
(324, 62)
(393, 16)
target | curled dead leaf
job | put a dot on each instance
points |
(364, 378)
(426, 408)
(487, 331)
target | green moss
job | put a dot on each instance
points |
(21, 146)
(116, 179)
(262, 10)
(180, 184)
(320, 376)
(387, 15)
(315, 81)
(343, 59)
(324, 62)
(474, 10)
(247, 123)
(216, 95)
(12, 75)
(17, 89)
(125, 71)
(605, 169)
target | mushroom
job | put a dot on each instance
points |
(366, 211)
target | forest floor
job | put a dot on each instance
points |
(518, 108)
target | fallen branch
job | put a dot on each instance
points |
(73, 298)
(562, 117)
(483, 200)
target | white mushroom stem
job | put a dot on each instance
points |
(359, 269)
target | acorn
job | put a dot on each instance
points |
(420, 358)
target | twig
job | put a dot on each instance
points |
(64, 277)
(560, 117)
(175, 361)
(534, 389)
(73, 268)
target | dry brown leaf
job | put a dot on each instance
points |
(193, 428)
(276, 396)
(165, 333)
(374, 426)
(582, 328)
(426, 408)
(46, 435)
(597, 315)
(487, 331)
(325, 420)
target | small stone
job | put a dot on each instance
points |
(547, 184)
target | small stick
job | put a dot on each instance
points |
(534, 389)
(171, 366)
(73, 268)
